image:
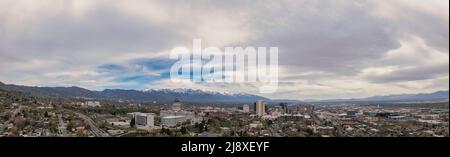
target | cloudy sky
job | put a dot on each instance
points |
(327, 48)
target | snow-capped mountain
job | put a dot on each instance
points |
(158, 95)
(195, 91)
(202, 96)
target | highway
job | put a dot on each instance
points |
(97, 131)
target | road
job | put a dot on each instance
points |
(62, 126)
(97, 131)
(14, 113)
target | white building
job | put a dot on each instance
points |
(93, 104)
(145, 119)
(176, 106)
(187, 114)
(246, 108)
(171, 121)
(191, 116)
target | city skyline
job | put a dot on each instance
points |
(327, 49)
(127, 94)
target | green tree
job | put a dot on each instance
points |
(53, 129)
(70, 126)
(183, 130)
(201, 127)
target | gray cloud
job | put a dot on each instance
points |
(101, 31)
(433, 30)
(341, 40)
(412, 74)
(326, 47)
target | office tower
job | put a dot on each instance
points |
(260, 108)
(283, 107)
(145, 119)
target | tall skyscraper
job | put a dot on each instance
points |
(283, 107)
(260, 108)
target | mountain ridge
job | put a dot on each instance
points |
(200, 96)
(438, 95)
(158, 95)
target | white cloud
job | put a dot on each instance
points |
(328, 49)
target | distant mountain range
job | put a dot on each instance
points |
(160, 95)
(198, 96)
(436, 96)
